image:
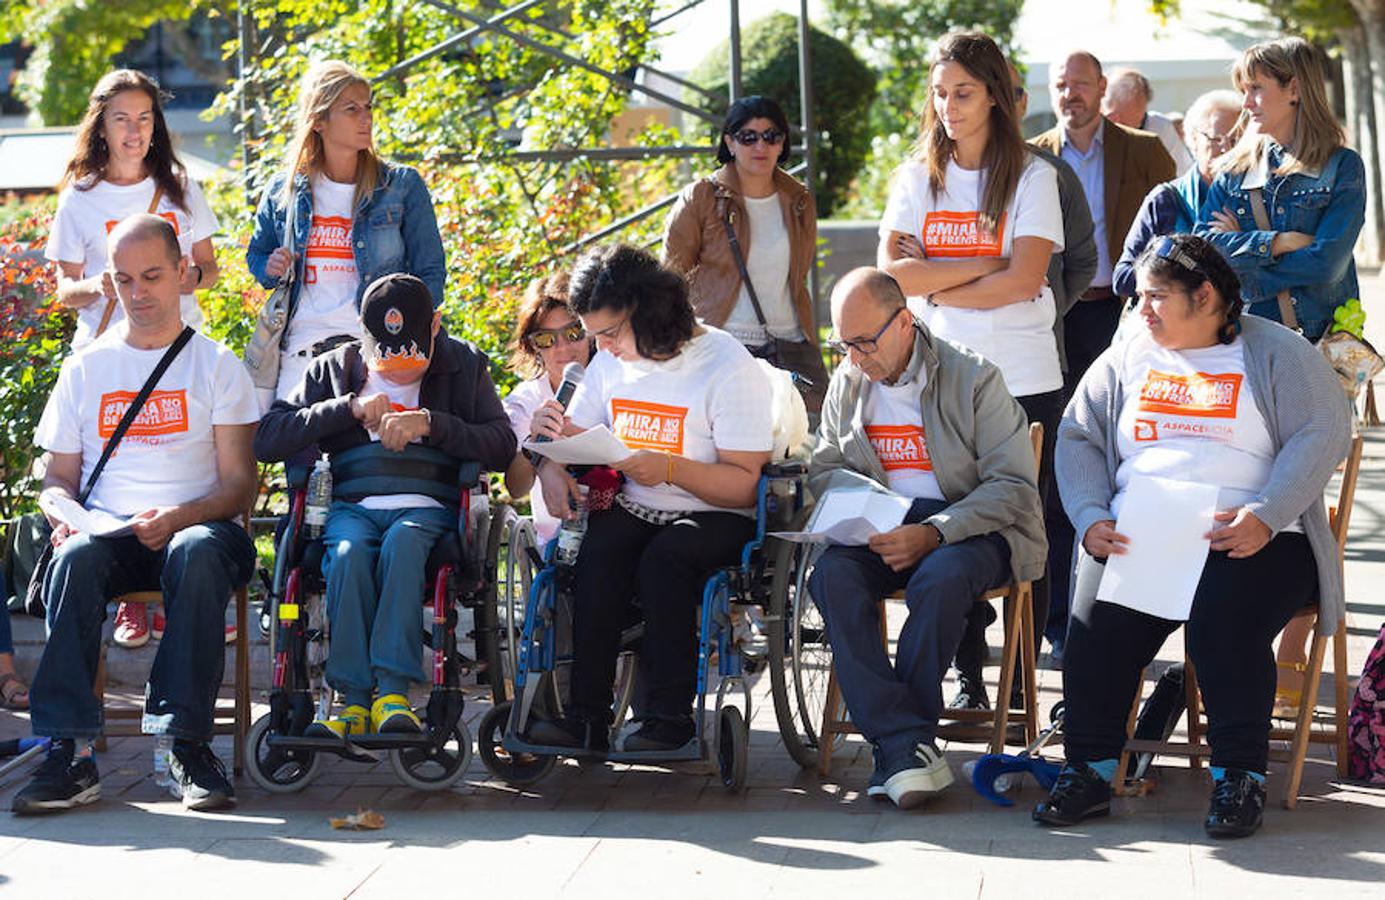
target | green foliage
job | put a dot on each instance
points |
(843, 88)
(1317, 20)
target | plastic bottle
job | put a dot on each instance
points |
(163, 747)
(571, 532)
(319, 498)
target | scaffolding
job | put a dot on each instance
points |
(711, 110)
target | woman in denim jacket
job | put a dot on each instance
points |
(1313, 189)
(357, 217)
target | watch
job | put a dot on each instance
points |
(942, 538)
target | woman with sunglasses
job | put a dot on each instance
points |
(1203, 395)
(754, 287)
(970, 226)
(550, 336)
(693, 407)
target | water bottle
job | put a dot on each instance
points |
(572, 530)
(163, 746)
(319, 498)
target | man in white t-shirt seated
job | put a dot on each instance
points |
(932, 421)
(182, 473)
(397, 412)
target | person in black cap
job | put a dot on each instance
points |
(396, 413)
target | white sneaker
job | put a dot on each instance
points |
(912, 777)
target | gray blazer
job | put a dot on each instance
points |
(978, 439)
(1309, 422)
(1069, 272)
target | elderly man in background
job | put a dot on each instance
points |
(1128, 95)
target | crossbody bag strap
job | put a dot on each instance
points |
(110, 303)
(740, 264)
(1262, 221)
(135, 406)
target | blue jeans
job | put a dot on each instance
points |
(375, 580)
(900, 705)
(196, 572)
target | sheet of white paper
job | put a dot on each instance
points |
(593, 447)
(1165, 521)
(92, 521)
(850, 517)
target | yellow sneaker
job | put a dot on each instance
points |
(391, 714)
(353, 720)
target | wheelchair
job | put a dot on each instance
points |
(545, 656)
(466, 571)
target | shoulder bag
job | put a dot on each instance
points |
(262, 350)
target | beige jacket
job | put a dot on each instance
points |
(695, 243)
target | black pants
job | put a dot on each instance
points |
(1238, 609)
(1046, 409)
(667, 567)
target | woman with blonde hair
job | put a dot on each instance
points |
(356, 217)
(1293, 163)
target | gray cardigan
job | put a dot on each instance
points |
(1309, 422)
(978, 440)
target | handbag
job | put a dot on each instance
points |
(261, 355)
(34, 603)
(110, 302)
(1353, 358)
(800, 358)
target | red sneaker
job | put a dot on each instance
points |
(131, 625)
(158, 628)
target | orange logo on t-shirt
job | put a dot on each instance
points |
(958, 234)
(900, 447)
(1146, 430)
(165, 412)
(330, 238)
(648, 426)
(1200, 394)
(166, 216)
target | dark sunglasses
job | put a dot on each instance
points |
(546, 338)
(748, 137)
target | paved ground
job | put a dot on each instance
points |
(620, 831)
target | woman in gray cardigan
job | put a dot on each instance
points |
(1249, 407)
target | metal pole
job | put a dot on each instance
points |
(247, 117)
(735, 75)
(810, 155)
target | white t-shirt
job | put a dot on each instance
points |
(403, 397)
(1017, 337)
(711, 396)
(327, 298)
(520, 407)
(1190, 415)
(767, 263)
(83, 220)
(894, 425)
(169, 454)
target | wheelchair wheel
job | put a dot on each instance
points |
(434, 768)
(733, 748)
(278, 771)
(517, 577)
(516, 769)
(800, 657)
(492, 643)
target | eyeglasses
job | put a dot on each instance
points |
(613, 331)
(749, 138)
(865, 346)
(545, 338)
(1215, 140)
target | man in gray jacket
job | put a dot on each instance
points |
(934, 422)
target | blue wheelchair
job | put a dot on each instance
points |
(545, 655)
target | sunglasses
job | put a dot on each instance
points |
(546, 338)
(749, 137)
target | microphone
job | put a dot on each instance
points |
(572, 375)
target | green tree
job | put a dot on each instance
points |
(843, 88)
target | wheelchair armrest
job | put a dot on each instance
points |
(789, 468)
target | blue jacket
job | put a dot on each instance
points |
(1170, 208)
(393, 230)
(1330, 205)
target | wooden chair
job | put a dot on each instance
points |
(970, 725)
(1302, 733)
(228, 716)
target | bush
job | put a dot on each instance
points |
(843, 89)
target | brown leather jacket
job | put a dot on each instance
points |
(695, 243)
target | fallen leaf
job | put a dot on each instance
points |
(362, 820)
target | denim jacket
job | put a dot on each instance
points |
(1330, 205)
(393, 230)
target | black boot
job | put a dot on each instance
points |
(588, 736)
(1237, 806)
(1079, 793)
